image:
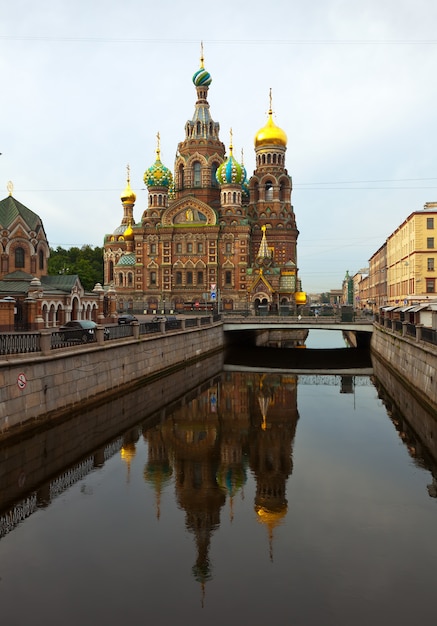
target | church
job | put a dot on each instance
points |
(210, 237)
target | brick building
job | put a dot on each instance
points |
(209, 234)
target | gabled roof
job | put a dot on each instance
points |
(18, 283)
(11, 209)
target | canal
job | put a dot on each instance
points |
(257, 496)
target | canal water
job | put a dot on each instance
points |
(221, 496)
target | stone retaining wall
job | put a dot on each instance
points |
(414, 361)
(35, 386)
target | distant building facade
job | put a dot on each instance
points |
(208, 234)
(29, 297)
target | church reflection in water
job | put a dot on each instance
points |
(242, 423)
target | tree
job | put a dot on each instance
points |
(86, 262)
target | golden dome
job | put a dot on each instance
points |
(128, 195)
(128, 233)
(300, 297)
(270, 134)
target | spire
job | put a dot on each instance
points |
(202, 60)
(158, 146)
(264, 252)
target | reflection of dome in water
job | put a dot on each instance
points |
(158, 474)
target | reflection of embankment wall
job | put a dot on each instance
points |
(414, 362)
(27, 463)
(34, 387)
(400, 401)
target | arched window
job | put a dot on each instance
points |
(269, 190)
(214, 182)
(178, 278)
(228, 277)
(196, 174)
(181, 177)
(111, 271)
(130, 279)
(120, 279)
(189, 277)
(41, 259)
(19, 257)
(153, 277)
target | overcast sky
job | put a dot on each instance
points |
(86, 86)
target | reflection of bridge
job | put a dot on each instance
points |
(238, 322)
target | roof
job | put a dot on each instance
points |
(10, 209)
(18, 283)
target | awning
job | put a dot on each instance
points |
(418, 307)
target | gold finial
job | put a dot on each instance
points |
(201, 56)
(242, 160)
(128, 173)
(158, 146)
(230, 142)
(10, 187)
(270, 99)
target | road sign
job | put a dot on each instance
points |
(21, 381)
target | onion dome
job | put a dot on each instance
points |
(158, 175)
(270, 134)
(230, 171)
(128, 233)
(128, 196)
(202, 78)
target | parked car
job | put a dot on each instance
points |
(127, 319)
(171, 321)
(80, 330)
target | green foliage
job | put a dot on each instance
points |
(86, 261)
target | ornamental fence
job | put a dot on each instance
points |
(53, 339)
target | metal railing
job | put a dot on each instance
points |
(24, 343)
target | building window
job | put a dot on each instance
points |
(153, 248)
(153, 278)
(130, 279)
(430, 285)
(196, 174)
(200, 277)
(189, 248)
(269, 190)
(228, 277)
(19, 257)
(430, 223)
(228, 247)
(178, 278)
(200, 248)
(430, 264)
(189, 277)
(178, 248)
(41, 259)
(430, 242)
(214, 182)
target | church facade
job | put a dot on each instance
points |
(209, 235)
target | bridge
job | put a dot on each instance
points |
(238, 323)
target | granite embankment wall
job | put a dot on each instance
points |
(414, 362)
(31, 459)
(37, 387)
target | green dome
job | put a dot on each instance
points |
(230, 172)
(202, 78)
(158, 175)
